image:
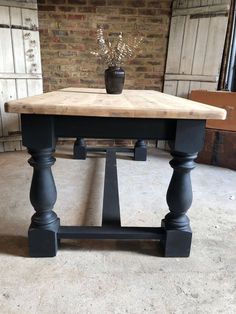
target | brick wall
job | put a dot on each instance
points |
(68, 34)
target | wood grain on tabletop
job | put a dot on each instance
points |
(130, 104)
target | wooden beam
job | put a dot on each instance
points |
(10, 138)
(213, 9)
(187, 77)
(11, 3)
(20, 76)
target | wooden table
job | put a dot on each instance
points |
(91, 113)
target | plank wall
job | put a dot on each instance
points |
(20, 66)
(196, 43)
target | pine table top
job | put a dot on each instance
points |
(130, 104)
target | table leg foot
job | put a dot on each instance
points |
(44, 223)
(177, 243)
(43, 242)
(80, 149)
(140, 151)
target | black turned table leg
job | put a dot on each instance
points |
(80, 149)
(188, 141)
(45, 223)
(179, 199)
(140, 151)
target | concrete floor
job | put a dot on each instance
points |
(112, 276)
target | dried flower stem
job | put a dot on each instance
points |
(117, 54)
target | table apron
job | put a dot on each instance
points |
(127, 128)
(41, 131)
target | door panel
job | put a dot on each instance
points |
(175, 44)
(196, 43)
(188, 48)
(20, 66)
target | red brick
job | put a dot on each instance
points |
(56, 16)
(153, 76)
(80, 2)
(108, 10)
(128, 11)
(159, 4)
(90, 9)
(46, 8)
(66, 54)
(54, 2)
(147, 12)
(155, 20)
(76, 17)
(60, 32)
(56, 39)
(66, 9)
(135, 3)
(154, 62)
(164, 12)
(142, 69)
(58, 46)
(77, 47)
(155, 35)
(118, 3)
(97, 2)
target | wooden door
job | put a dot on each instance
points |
(20, 65)
(196, 43)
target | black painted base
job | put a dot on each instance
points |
(176, 243)
(45, 231)
(43, 242)
(140, 151)
(80, 149)
(39, 134)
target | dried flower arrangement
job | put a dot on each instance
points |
(115, 54)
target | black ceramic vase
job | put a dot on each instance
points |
(114, 80)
